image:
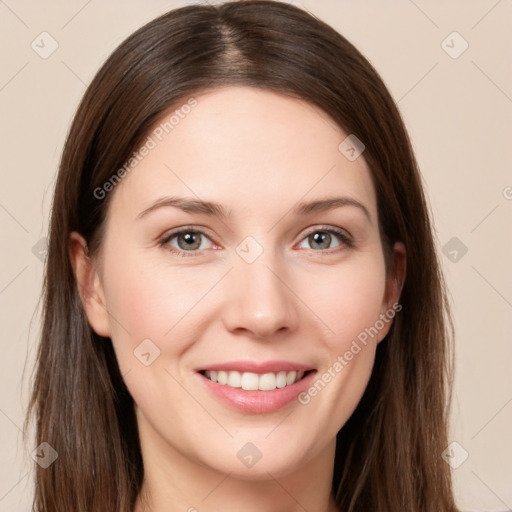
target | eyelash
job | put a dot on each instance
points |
(345, 240)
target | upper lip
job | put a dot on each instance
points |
(255, 367)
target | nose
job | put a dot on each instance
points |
(259, 300)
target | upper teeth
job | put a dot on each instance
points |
(253, 381)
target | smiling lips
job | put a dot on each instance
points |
(256, 387)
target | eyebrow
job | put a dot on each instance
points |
(211, 208)
(330, 203)
(188, 204)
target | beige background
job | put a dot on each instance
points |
(458, 112)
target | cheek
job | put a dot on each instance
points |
(150, 302)
(348, 299)
(350, 305)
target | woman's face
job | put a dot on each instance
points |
(266, 278)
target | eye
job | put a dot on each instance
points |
(322, 238)
(187, 240)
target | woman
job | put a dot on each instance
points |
(243, 307)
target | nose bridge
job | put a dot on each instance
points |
(258, 300)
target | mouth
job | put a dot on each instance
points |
(265, 389)
(251, 381)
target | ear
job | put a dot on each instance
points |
(394, 283)
(89, 285)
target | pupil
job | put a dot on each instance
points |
(190, 241)
(320, 238)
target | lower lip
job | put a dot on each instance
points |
(257, 401)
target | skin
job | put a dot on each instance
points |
(257, 153)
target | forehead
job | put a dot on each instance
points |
(246, 148)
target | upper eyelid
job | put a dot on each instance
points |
(320, 227)
(185, 229)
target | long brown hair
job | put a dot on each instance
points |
(388, 454)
